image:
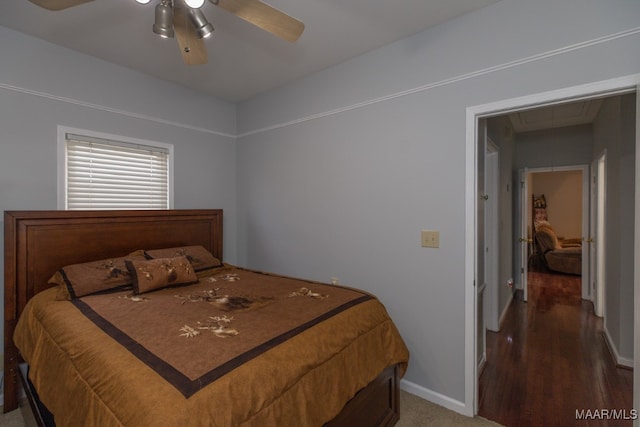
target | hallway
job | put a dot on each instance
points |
(550, 362)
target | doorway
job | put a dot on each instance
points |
(474, 115)
(564, 191)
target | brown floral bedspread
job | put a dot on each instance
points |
(238, 348)
(192, 335)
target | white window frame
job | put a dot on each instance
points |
(62, 157)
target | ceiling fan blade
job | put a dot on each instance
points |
(193, 49)
(58, 4)
(264, 16)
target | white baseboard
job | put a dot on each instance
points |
(435, 397)
(505, 309)
(482, 364)
(620, 361)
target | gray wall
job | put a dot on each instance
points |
(43, 86)
(566, 146)
(339, 171)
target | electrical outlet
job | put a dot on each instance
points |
(430, 238)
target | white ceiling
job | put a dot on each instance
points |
(243, 60)
(556, 116)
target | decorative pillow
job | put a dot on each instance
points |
(82, 279)
(152, 274)
(200, 258)
(542, 224)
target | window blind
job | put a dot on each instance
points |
(105, 174)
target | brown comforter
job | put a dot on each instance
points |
(240, 348)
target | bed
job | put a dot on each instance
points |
(247, 348)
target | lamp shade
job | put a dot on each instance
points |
(163, 25)
(203, 27)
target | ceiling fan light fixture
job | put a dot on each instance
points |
(163, 25)
(143, 1)
(194, 4)
(204, 29)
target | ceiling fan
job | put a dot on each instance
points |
(185, 19)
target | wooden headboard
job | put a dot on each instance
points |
(37, 243)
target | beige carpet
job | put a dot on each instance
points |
(12, 419)
(415, 412)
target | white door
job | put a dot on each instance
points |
(523, 238)
(492, 249)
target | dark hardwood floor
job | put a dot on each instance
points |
(550, 359)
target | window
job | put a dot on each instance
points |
(108, 173)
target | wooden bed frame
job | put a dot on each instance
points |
(38, 243)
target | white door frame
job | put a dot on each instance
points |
(473, 115)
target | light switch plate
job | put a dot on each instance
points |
(430, 239)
